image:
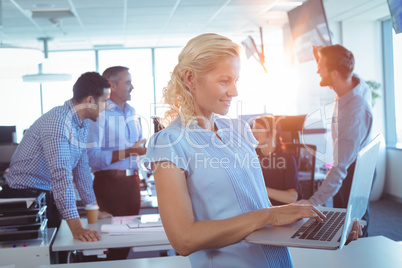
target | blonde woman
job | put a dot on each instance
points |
(210, 188)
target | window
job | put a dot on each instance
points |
(392, 84)
(71, 62)
(20, 104)
(150, 68)
(165, 61)
(140, 63)
(397, 44)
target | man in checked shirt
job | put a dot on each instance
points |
(52, 156)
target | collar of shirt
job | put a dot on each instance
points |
(75, 118)
(361, 90)
(357, 90)
(113, 107)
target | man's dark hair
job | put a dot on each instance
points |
(339, 58)
(89, 84)
(112, 73)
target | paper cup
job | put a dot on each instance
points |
(92, 213)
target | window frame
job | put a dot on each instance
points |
(389, 86)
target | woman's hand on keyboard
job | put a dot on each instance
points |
(281, 215)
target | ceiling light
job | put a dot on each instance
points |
(108, 46)
(45, 77)
(13, 56)
(52, 13)
(288, 4)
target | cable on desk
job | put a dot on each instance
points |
(69, 256)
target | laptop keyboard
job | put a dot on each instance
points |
(322, 231)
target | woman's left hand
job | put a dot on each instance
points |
(356, 232)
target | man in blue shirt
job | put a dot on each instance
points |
(117, 143)
(52, 155)
(351, 123)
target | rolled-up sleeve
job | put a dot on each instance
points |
(83, 179)
(58, 154)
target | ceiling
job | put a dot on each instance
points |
(88, 24)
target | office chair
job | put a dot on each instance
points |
(305, 160)
(291, 127)
(145, 184)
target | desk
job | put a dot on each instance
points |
(28, 253)
(369, 252)
(64, 240)
(306, 176)
(165, 262)
(149, 204)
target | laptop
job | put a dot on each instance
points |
(334, 231)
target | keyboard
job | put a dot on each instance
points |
(322, 231)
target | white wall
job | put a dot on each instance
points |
(363, 38)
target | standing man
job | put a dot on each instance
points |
(351, 124)
(117, 144)
(52, 156)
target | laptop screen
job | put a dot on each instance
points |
(361, 187)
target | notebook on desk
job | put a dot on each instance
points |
(334, 231)
(137, 224)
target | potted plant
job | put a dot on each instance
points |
(375, 86)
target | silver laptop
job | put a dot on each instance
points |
(334, 231)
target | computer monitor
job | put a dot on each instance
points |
(309, 27)
(395, 9)
(249, 118)
(7, 134)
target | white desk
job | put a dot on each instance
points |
(306, 176)
(149, 204)
(370, 252)
(28, 253)
(165, 262)
(64, 240)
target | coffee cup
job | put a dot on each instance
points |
(92, 213)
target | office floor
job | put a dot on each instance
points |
(385, 218)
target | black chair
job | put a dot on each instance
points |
(291, 127)
(305, 160)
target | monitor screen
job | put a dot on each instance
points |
(7, 134)
(395, 9)
(309, 27)
(249, 118)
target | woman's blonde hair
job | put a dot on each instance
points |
(200, 55)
